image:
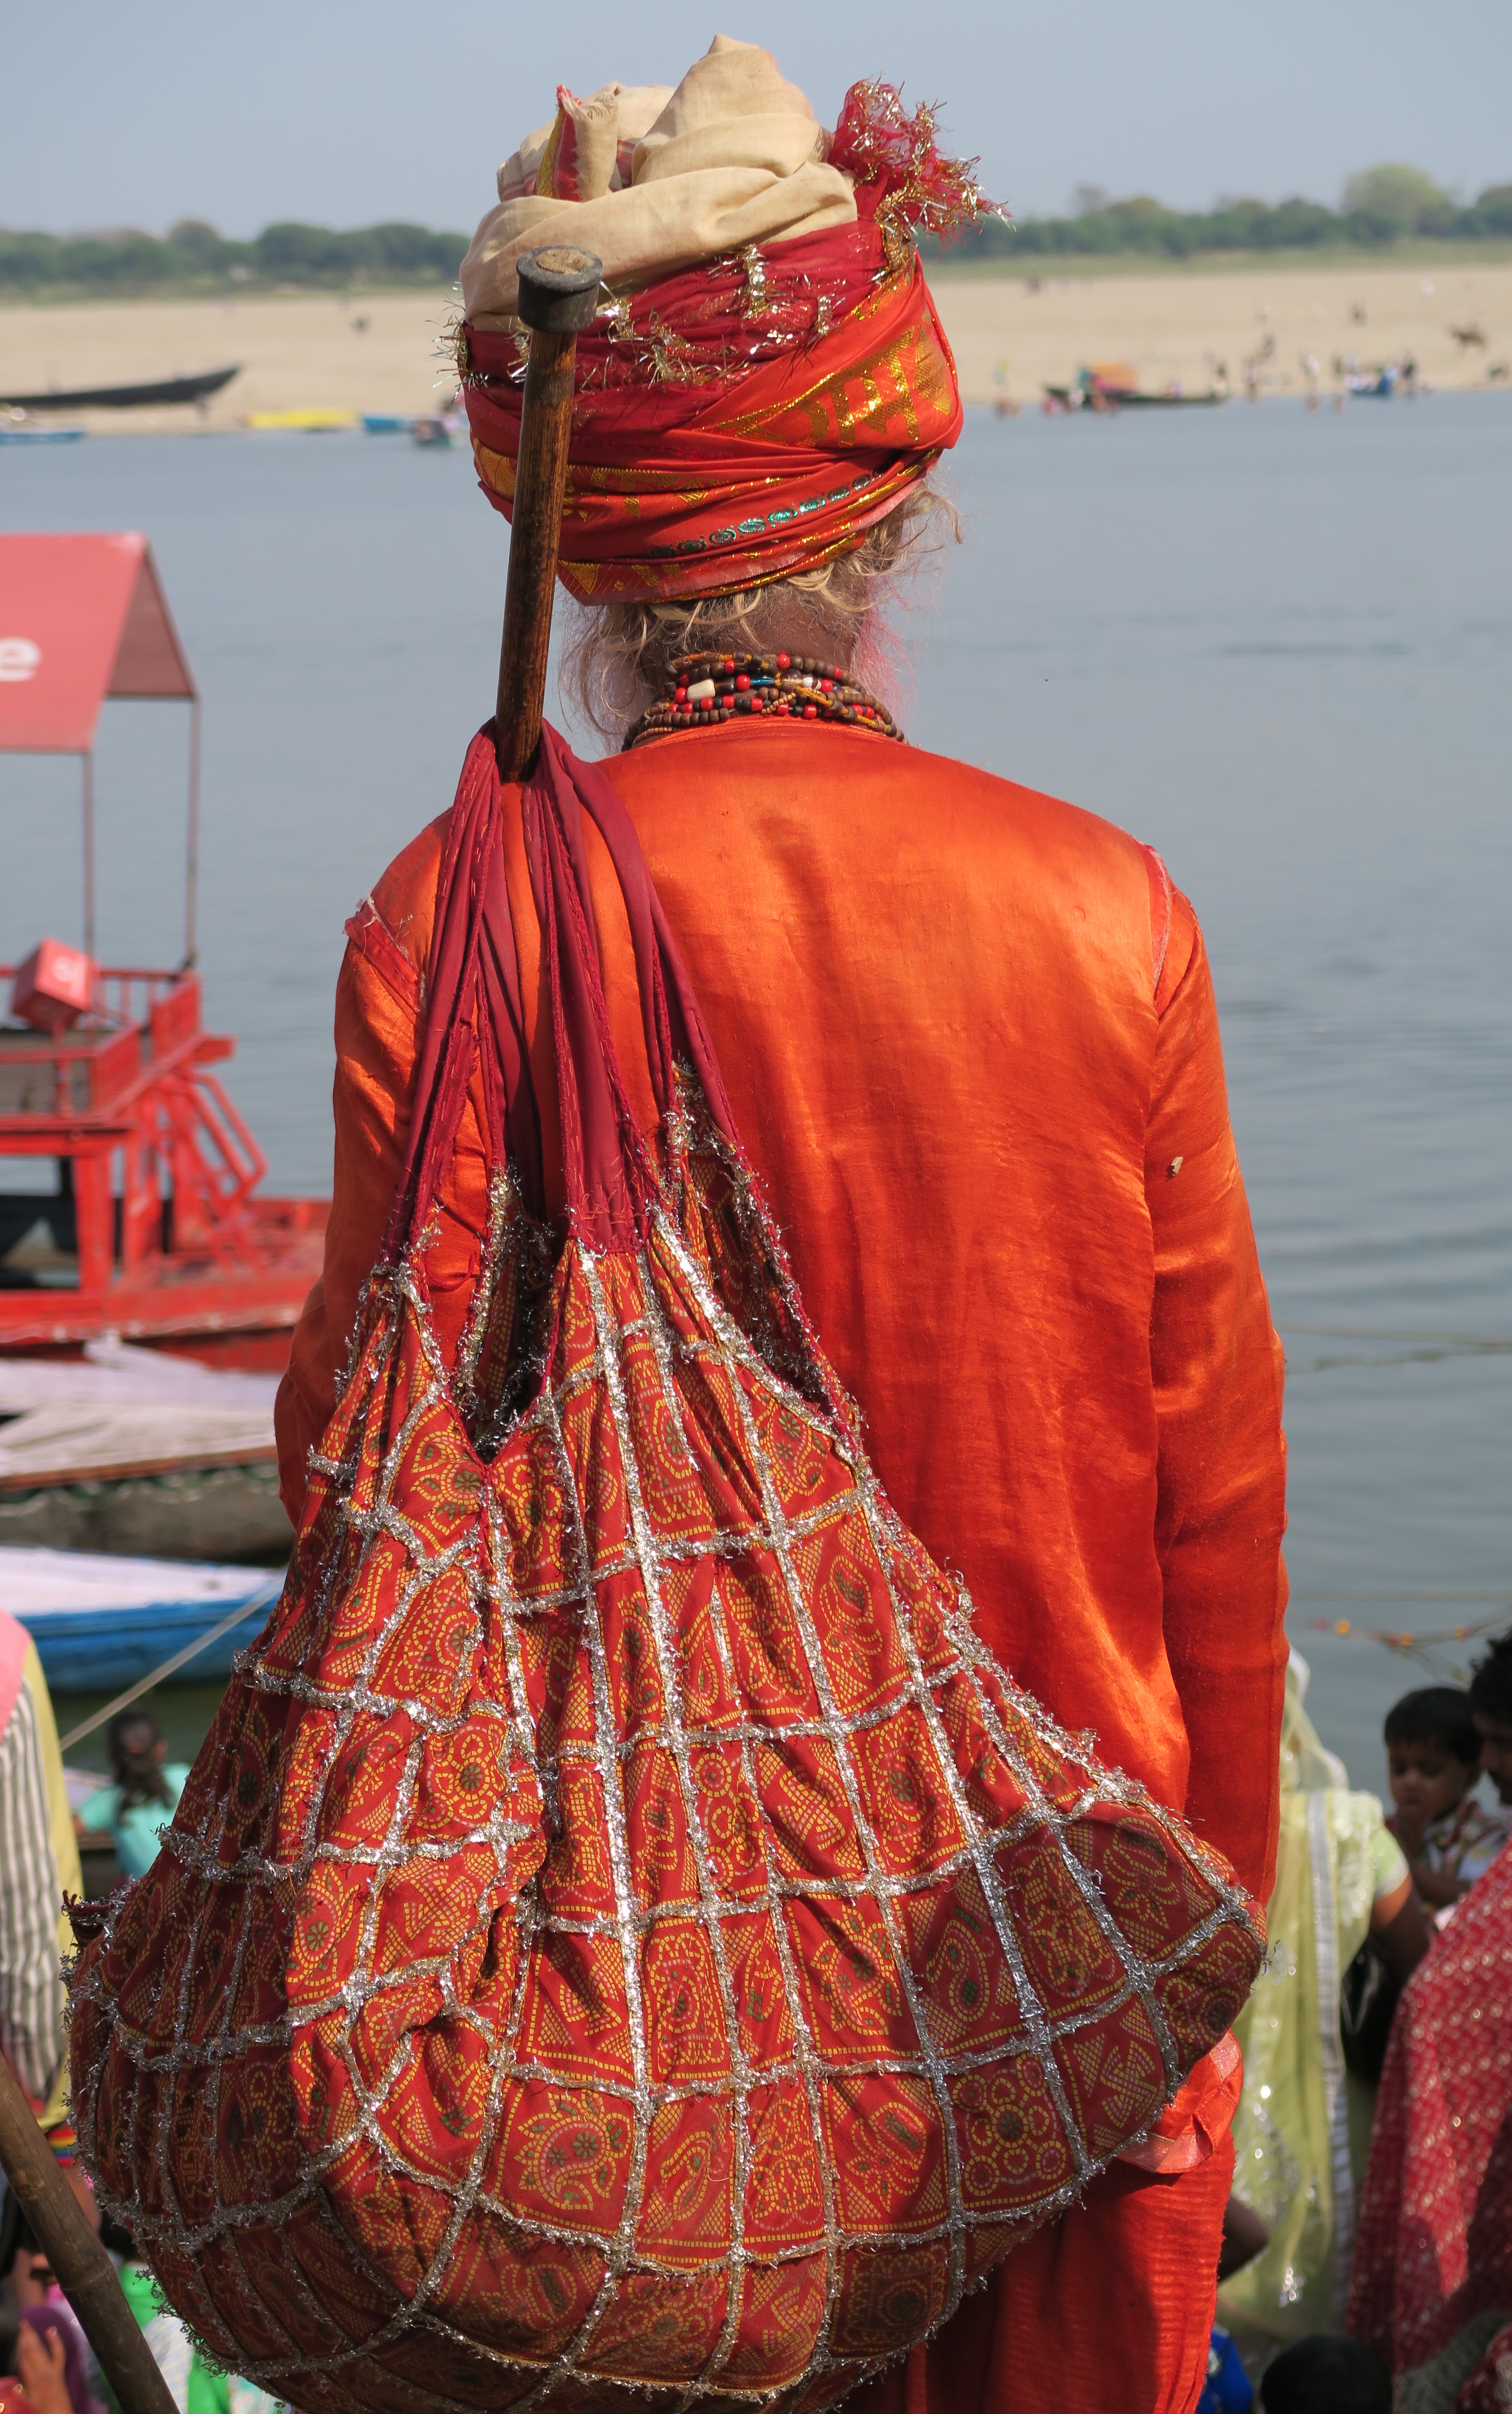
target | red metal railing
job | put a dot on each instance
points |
(132, 1108)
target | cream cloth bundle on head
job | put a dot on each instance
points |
(653, 181)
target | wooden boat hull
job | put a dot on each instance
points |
(245, 1303)
(174, 1513)
(171, 1301)
(126, 398)
(145, 1453)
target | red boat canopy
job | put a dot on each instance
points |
(81, 618)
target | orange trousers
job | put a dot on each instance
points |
(1103, 2297)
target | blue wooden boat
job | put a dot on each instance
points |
(40, 435)
(386, 422)
(100, 1623)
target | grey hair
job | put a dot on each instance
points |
(619, 656)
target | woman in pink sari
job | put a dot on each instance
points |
(1433, 2278)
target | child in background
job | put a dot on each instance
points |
(1328, 2375)
(145, 1793)
(1434, 1750)
(1227, 2389)
(194, 2387)
(46, 2356)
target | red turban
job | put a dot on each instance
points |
(752, 416)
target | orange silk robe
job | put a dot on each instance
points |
(969, 1039)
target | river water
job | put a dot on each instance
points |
(1277, 647)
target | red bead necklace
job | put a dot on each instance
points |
(708, 689)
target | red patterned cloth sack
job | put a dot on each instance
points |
(622, 1928)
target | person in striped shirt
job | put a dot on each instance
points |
(38, 1865)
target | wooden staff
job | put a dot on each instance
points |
(558, 295)
(83, 2269)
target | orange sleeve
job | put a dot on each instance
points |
(380, 1010)
(1217, 1369)
(376, 1048)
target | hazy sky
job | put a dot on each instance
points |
(345, 111)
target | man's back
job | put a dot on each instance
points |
(970, 1040)
(1008, 1188)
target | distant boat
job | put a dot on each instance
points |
(439, 427)
(1395, 378)
(100, 1623)
(1104, 398)
(307, 422)
(386, 423)
(40, 435)
(125, 397)
(107, 1070)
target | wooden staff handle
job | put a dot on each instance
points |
(558, 295)
(85, 2272)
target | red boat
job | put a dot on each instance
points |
(154, 1225)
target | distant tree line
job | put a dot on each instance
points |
(1380, 207)
(192, 256)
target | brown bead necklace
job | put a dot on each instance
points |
(707, 689)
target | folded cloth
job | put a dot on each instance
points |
(735, 155)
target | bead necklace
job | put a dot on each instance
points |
(710, 688)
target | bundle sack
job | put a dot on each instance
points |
(622, 1927)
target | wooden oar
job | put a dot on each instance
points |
(558, 295)
(83, 2269)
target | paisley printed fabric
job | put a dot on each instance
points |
(623, 1927)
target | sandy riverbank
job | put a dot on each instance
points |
(382, 352)
(1181, 327)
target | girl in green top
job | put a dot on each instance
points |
(193, 2386)
(144, 1795)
